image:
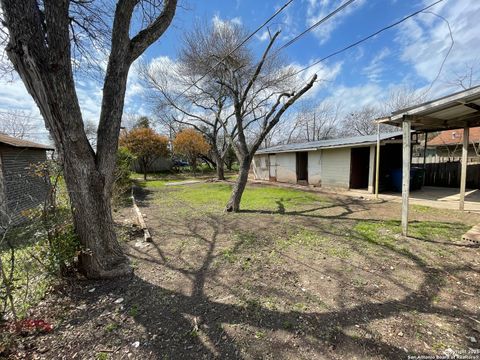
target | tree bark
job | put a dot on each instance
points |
(219, 165)
(144, 168)
(39, 47)
(233, 204)
(220, 169)
(101, 255)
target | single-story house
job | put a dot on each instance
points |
(157, 165)
(21, 187)
(347, 163)
(448, 143)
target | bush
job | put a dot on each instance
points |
(122, 174)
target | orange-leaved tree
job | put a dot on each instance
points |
(146, 145)
(191, 144)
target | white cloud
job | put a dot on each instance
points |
(374, 70)
(318, 9)
(264, 36)
(326, 75)
(354, 97)
(425, 41)
(218, 22)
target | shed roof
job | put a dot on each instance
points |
(332, 143)
(453, 111)
(16, 142)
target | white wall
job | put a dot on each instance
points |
(287, 167)
(315, 168)
(260, 167)
(335, 165)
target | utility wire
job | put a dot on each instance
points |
(318, 23)
(237, 47)
(452, 42)
(367, 37)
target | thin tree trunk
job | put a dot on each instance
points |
(144, 166)
(219, 165)
(194, 166)
(220, 170)
(233, 204)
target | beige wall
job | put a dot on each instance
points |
(287, 167)
(335, 165)
(285, 164)
(315, 168)
(260, 167)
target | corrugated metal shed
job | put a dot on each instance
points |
(12, 141)
(333, 143)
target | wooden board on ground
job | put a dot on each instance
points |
(473, 234)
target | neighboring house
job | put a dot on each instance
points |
(347, 163)
(158, 165)
(448, 144)
(21, 188)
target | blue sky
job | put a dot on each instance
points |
(409, 55)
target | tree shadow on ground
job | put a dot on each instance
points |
(193, 325)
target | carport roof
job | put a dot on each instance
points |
(332, 143)
(453, 111)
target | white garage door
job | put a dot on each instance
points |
(336, 167)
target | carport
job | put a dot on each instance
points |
(455, 111)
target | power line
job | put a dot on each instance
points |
(237, 47)
(367, 37)
(318, 23)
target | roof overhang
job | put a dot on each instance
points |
(454, 111)
(385, 139)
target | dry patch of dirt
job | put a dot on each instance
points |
(326, 278)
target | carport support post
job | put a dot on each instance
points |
(377, 161)
(407, 140)
(463, 176)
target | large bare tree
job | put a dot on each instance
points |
(18, 123)
(188, 90)
(42, 40)
(314, 122)
(260, 95)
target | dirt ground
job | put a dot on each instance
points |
(293, 277)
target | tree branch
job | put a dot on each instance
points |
(149, 35)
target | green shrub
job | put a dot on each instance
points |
(122, 174)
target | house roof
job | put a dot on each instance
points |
(16, 142)
(455, 137)
(332, 143)
(449, 112)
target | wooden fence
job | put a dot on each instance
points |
(447, 174)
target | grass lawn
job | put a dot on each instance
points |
(294, 275)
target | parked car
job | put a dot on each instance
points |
(180, 163)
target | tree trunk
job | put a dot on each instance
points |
(233, 204)
(101, 255)
(193, 164)
(45, 68)
(144, 167)
(220, 168)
